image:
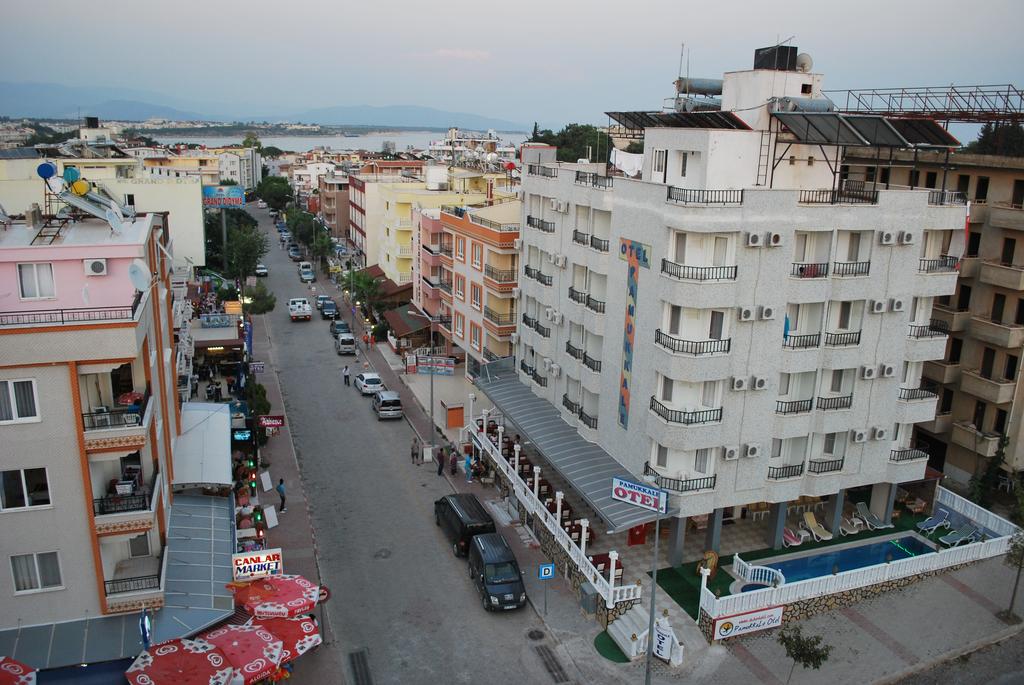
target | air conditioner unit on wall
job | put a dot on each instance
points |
(857, 435)
(880, 433)
(752, 451)
(759, 382)
(739, 383)
(767, 313)
(555, 370)
(888, 370)
(907, 237)
(867, 372)
(886, 238)
(730, 452)
(95, 267)
(548, 312)
(878, 306)
(560, 261)
(516, 292)
(553, 204)
(773, 239)
(746, 313)
(897, 305)
(514, 338)
(755, 240)
(556, 318)
(517, 243)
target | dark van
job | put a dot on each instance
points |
(494, 571)
(461, 517)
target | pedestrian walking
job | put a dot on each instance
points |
(345, 374)
(366, 342)
(280, 491)
(440, 460)
(415, 450)
(469, 467)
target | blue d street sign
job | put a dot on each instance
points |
(546, 571)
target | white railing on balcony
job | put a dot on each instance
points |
(879, 573)
(749, 573)
(611, 593)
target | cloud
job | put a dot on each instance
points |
(460, 54)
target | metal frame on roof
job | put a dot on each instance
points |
(632, 124)
(867, 130)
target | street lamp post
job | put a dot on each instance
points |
(433, 370)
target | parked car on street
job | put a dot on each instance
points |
(461, 517)
(495, 572)
(339, 326)
(387, 404)
(307, 276)
(329, 310)
(299, 309)
(345, 343)
(320, 299)
(305, 265)
(294, 254)
(368, 383)
(261, 204)
(262, 270)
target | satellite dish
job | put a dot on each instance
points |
(138, 274)
(804, 62)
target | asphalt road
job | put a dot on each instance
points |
(397, 590)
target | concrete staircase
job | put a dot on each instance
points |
(622, 630)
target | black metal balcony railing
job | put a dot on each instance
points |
(851, 268)
(809, 270)
(840, 402)
(591, 363)
(945, 263)
(122, 417)
(446, 250)
(444, 322)
(595, 305)
(933, 329)
(688, 196)
(500, 275)
(577, 296)
(68, 316)
(698, 273)
(545, 279)
(780, 472)
(499, 318)
(528, 320)
(525, 368)
(825, 465)
(120, 504)
(136, 584)
(588, 420)
(573, 407)
(587, 178)
(946, 197)
(799, 342)
(540, 170)
(793, 406)
(694, 347)
(536, 275)
(542, 330)
(842, 339)
(846, 196)
(540, 224)
(445, 286)
(679, 484)
(573, 351)
(599, 244)
(916, 394)
(489, 356)
(540, 380)
(688, 418)
(907, 454)
(580, 238)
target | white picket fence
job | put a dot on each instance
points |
(749, 573)
(872, 575)
(611, 593)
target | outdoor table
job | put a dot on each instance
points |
(602, 561)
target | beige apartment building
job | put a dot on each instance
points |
(978, 378)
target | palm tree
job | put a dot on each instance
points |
(366, 289)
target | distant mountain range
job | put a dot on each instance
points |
(55, 101)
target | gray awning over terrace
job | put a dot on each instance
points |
(585, 466)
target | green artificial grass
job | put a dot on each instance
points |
(682, 583)
(606, 647)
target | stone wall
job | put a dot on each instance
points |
(806, 608)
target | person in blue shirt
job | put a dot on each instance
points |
(280, 491)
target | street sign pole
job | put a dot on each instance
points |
(654, 590)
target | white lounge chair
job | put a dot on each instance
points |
(816, 529)
(850, 526)
(872, 521)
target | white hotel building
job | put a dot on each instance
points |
(776, 321)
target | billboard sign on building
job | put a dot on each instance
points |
(636, 255)
(749, 622)
(257, 564)
(643, 496)
(219, 197)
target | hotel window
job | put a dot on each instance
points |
(18, 401)
(36, 281)
(683, 158)
(460, 287)
(474, 336)
(830, 444)
(460, 325)
(475, 295)
(662, 458)
(39, 571)
(478, 255)
(24, 488)
(460, 248)
(700, 461)
(660, 156)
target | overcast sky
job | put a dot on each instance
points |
(551, 60)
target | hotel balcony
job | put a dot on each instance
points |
(941, 371)
(541, 170)
(915, 405)
(591, 363)
(125, 425)
(785, 407)
(681, 484)
(430, 255)
(581, 238)
(698, 273)
(577, 296)
(595, 305)
(430, 288)
(955, 320)
(844, 269)
(540, 224)
(134, 510)
(1008, 276)
(687, 418)
(404, 251)
(500, 275)
(843, 339)
(588, 420)
(783, 472)
(587, 178)
(72, 317)
(801, 342)
(941, 424)
(573, 351)
(1007, 216)
(933, 329)
(535, 274)
(834, 403)
(809, 270)
(499, 323)
(697, 348)
(688, 196)
(998, 334)
(967, 436)
(845, 196)
(991, 390)
(821, 467)
(902, 454)
(943, 264)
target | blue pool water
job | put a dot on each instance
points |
(851, 558)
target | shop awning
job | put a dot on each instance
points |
(202, 453)
(586, 466)
(197, 567)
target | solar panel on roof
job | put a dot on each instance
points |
(642, 120)
(819, 128)
(876, 130)
(923, 132)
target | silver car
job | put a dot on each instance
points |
(387, 404)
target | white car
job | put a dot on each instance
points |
(369, 383)
(262, 270)
(261, 204)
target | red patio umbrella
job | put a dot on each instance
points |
(254, 651)
(13, 672)
(277, 596)
(299, 634)
(182, 662)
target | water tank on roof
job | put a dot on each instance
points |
(699, 86)
(92, 122)
(436, 177)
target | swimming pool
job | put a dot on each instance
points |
(850, 558)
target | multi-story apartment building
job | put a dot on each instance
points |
(726, 326)
(978, 377)
(305, 178)
(205, 167)
(462, 146)
(470, 268)
(121, 177)
(242, 165)
(334, 204)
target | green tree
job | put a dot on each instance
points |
(366, 290)
(246, 247)
(999, 139)
(635, 148)
(981, 485)
(255, 395)
(807, 651)
(275, 191)
(302, 226)
(259, 300)
(1015, 556)
(271, 152)
(574, 140)
(236, 218)
(321, 247)
(536, 133)
(252, 140)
